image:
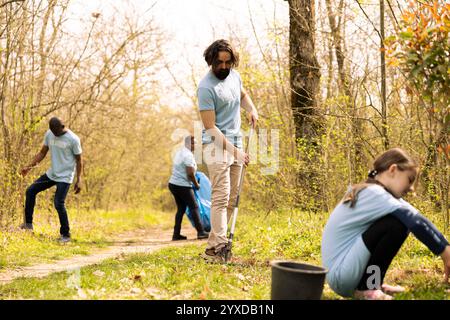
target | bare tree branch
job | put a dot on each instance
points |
(11, 1)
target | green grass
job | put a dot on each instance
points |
(179, 272)
(90, 230)
(168, 274)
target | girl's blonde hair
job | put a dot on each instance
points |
(382, 163)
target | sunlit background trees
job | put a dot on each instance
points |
(117, 85)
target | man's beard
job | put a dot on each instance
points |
(222, 73)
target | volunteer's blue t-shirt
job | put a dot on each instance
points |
(63, 150)
(224, 97)
(183, 158)
(344, 253)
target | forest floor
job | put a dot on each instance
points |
(143, 263)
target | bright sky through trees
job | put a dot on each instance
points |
(190, 26)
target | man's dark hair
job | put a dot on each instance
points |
(212, 52)
(55, 124)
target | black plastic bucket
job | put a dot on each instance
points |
(297, 281)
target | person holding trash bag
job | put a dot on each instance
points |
(203, 198)
(180, 185)
(367, 228)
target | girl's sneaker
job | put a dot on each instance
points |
(371, 295)
(388, 289)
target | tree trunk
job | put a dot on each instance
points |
(304, 80)
(304, 70)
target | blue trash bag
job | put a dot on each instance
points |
(203, 198)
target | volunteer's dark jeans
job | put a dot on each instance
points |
(383, 239)
(184, 198)
(41, 184)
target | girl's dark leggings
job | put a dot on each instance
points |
(383, 239)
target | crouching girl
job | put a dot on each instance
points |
(367, 228)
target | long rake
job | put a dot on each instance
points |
(229, 245)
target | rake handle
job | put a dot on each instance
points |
(235, 210)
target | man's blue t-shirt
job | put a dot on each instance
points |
(224, 97)
(183, 158)
(63, 150)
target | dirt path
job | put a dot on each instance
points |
(133, 242)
